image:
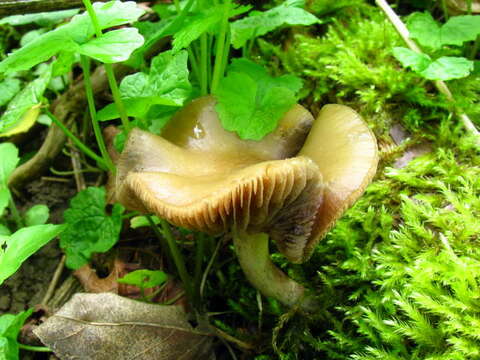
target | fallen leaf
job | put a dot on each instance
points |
(107, 326)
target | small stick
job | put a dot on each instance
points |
(53, 283)
(440, 85)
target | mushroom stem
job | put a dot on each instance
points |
(254, 257)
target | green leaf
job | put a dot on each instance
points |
(10, 159)
(10, 326)
(424, 29)
(456, 31)
(8, 88)
(250, 102)
(460, 29)
(412, 59)
(448, 68)
(25, 100)
(144, 279)
(4, 230)
(4, 199)
(31, 35)
(166, 84)
(199, 23)
(37, 215)
(42, 19)
(64, 62)
(196, 26)
(68, 37)
(259, 23)
(114, 46)
(89, 228)
(22, 244)
(142, 221)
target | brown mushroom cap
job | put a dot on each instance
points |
(200, 176)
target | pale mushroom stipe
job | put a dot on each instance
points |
(291, 186)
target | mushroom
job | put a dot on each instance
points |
(291, 186)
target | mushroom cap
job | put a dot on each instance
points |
(199, 176)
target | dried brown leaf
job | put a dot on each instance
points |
(107, 326)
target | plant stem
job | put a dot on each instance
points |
(15, 214)
(178, 259)
(200, 251)
(204, 64)
(194, 63)
(84, 148)
(444, 9)
(34, 348)
(219, 53)
(440, 85)
(109, 70)
(85, 62)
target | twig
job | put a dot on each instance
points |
(53, 283)
(440, 85)
(13, 7)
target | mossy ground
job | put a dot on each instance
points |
(399, 275)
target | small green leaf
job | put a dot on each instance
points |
(114, 46)
(8, 89)
(259, 23)
(29, 97)
(89, 228)
(10, 159)
(144, 279)
(424, 29)
(456, 31)
(250, 102)
(448, 68)
(31, 35)
(412, 59)
(37, 215)
(166, 84)
(42, 19)
(460, 29)
(142, 221)
(22, 244)
(10, 326)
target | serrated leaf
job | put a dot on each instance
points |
(8, 89)
(114, 46)
(24, 106)
(250, 102)
(89, 228)
(37, 215)
(412, 59)
(10, 326)
(456, 31)
(144, 279)
(22, 244)
(87, 327)
(448, 68)
(10, 159)
(41, 19)
(260, 23)
(166, 84)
